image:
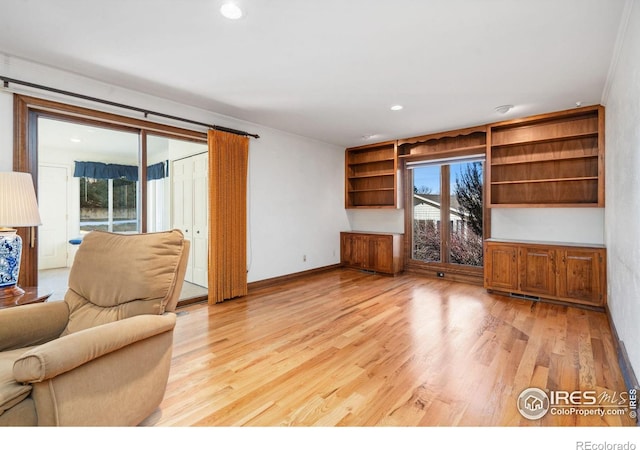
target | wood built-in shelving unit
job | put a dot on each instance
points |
(457, 143)
(548, 160)
(371, 176)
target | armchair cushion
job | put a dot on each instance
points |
(95, 299)
(11, 392)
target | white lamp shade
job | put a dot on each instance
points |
(18, 205)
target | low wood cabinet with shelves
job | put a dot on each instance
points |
(569, 273)
(376, 252)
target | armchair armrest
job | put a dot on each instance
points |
(71, 351)
(33, 324)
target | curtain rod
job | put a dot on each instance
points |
(7, 80)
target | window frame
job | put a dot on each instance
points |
(445, 221)
(446, 270)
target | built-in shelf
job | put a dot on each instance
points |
(543, 140)
(554, 159)
(545, 180)
(371, 176)
(494, 164)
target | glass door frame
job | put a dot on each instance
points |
(446, 270)
(28, 109)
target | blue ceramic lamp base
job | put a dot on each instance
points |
(10, 252)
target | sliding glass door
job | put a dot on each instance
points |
(89, 178)
(447, 212)
(87, 181)
(123, 186)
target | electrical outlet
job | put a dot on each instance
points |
(304, 258)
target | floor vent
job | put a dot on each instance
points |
(525, 297)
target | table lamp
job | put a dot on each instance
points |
(18, 208)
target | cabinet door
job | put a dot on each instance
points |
(501, 267)
(381, 254)
(537, 270)
(581, 275)
(351, 252)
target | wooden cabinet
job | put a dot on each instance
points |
(554, 159)
(581, 275)
(501, 267)
(537, 266)
(377, 252)
(371, 176)
(569, 273)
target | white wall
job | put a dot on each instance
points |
(289, 181)
(622, 218)
(376, 220)
(559, 225)
(296, 184)
(6, 133)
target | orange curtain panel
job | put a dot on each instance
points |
(228, 165)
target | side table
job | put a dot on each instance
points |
(31, 295)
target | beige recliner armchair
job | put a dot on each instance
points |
(101, 357)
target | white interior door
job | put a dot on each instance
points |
(52, 203)
(200, 239)
(182, 204)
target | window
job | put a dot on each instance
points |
(108, 205)
(447, 211)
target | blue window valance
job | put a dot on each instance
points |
(103, 171)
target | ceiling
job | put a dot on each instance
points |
(331, 69)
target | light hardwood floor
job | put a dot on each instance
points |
(347, 348)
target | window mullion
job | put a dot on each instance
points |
(445, 203)
(110, 213)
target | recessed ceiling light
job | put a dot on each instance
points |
(75, 139)
(396, 107)
(503, 109)
(231, 11)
